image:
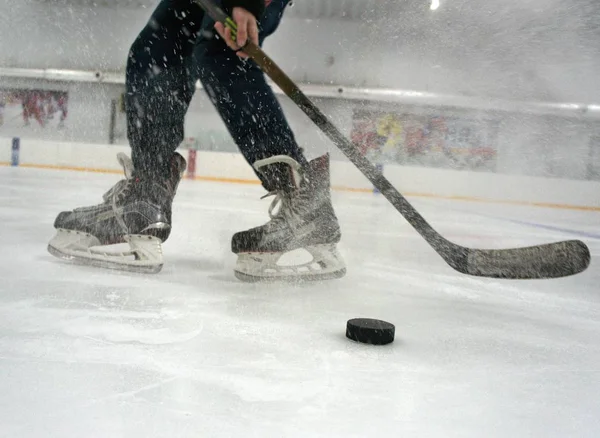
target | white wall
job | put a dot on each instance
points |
(43, 35)
(409, 180)
(509, 50)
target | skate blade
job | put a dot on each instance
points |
(145, 255)
(105, 264)
(326, 264)
(305, 278)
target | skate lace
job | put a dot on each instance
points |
(121, 187)
(288, 207)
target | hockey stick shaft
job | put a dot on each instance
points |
(545, 261)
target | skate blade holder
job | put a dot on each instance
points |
(318, 262)
(143, 255)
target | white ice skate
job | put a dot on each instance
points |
(304, 220)
(127, 230)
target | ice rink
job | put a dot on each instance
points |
(193, 352)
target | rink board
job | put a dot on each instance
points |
(411, 181)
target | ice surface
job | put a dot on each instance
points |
(192, 352)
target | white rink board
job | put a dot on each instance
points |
(409, 180)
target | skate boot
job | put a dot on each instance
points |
(305, 219)
(136, 211)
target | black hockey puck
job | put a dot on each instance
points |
(370, 331)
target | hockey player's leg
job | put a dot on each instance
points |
(158, 85)
(137, 210)
(302, 216)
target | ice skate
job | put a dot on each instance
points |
(304, 220)
(136, 212)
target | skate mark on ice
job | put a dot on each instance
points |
(121, 333)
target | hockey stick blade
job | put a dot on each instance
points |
(552, 260)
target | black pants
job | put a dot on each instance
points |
(175, 49)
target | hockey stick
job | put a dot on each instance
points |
(551, 260)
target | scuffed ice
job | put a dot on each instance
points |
(192, 351)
